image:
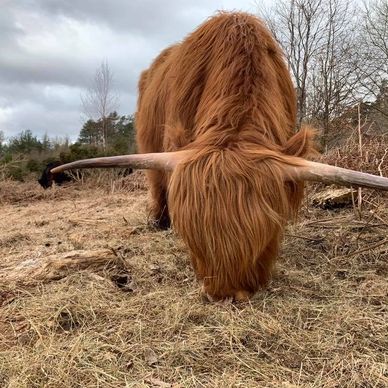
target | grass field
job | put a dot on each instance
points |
(129, 313)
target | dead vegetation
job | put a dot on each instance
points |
(134, 318)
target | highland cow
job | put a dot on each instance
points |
(215, 123)
(47, 178)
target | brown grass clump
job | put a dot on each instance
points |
(372, 159)
(107, 181)
(138, 321)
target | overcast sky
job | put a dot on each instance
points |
(50, 50)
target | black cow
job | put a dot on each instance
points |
(47, 178)
(127, 171)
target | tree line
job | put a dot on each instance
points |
(26, 153)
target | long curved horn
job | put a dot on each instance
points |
(319, 172)
(308, 171)
(158, 161)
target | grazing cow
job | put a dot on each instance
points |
(48, 177)
(127, 172)
(215, 123)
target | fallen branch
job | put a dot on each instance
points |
(332, 198)
(54, 267)
(368, 248)
(304, 238)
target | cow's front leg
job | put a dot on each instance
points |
(159, 214)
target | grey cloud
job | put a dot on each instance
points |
(38, 70)
(50, 49)
(8, 30)
(164, 19)
(55, 122)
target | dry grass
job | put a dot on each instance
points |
(139, 322)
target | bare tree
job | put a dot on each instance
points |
(318, 40)
(334, 86)
(373, 70)
(297, 26)
(100, 100)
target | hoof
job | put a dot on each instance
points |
(242, 296)
(238, 296)
(161, 224)
(206, 298)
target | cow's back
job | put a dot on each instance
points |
(225, 83)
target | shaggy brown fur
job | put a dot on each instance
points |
(225, 93)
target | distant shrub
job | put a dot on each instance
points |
(373, 157)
